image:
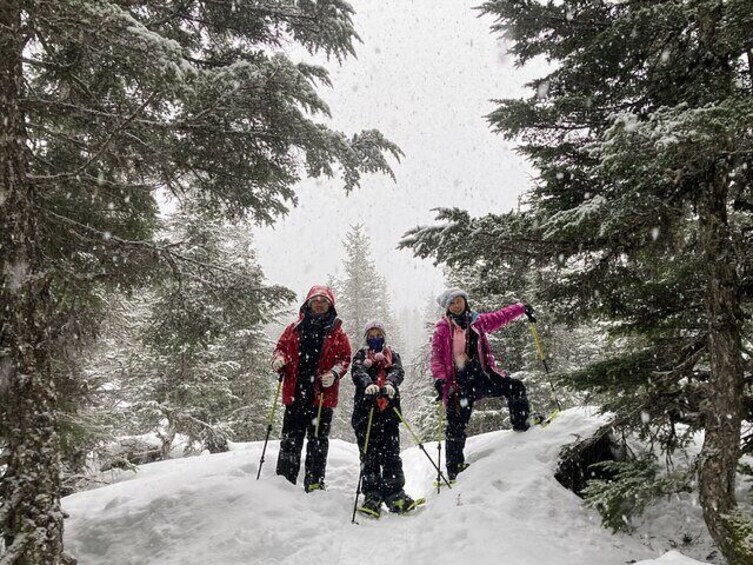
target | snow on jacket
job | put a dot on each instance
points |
(335, 355)
(442, 366)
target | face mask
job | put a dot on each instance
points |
(375, 343)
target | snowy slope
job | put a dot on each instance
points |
(505, 509)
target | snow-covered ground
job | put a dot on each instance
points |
(505, 508)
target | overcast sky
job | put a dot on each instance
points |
(425, 76)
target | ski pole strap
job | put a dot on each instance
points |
(319, 414)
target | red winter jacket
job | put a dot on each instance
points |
(335, 355)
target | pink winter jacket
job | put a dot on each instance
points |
(442, 366)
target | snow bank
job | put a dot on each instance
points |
(506, 507)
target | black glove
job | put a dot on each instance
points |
(439, 385)
(529, 313)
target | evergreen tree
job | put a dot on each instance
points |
(93, 418)
(641, 214)
(362, 291)
(361, 298)
(104, 103)
(202, 369)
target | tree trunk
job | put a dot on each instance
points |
(723, 409)
(32, 520)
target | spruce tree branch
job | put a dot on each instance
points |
(100, 151)
(161, 250)
(33, 126)
(180, 8)
(154, 152)
(179, 126)
(685, 366)
(294, 15)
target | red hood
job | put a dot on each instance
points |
(320, 290)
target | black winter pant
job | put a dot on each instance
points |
(460, 406)
(300, 421)
(382, 467)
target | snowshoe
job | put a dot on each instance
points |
(372, 507)
(401, 503)
(314, 486)
(417, 503)
(548, 419)
(538, 419)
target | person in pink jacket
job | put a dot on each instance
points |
(464, 369)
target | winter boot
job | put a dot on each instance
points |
(459, 468)
(519, 414)
(400, 503)
(372, 507)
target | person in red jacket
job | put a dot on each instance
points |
(313, 354)
(464, 369)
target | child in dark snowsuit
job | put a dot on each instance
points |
(464, 369)
(377, 373)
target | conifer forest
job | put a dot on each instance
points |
(142, 143)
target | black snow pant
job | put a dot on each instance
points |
(459, 407)
(300, 421)
(382, 467)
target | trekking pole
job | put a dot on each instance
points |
(439, 443)
(319, 414)
(421, 446)
(269, 424)
(360, 472)
(540, 351)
